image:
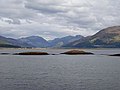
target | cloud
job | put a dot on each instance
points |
(56, 18)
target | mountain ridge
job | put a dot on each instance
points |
(12, 42)
(58, 42)
(105, 38)
(35, 41)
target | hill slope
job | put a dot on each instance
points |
(106, 38)
(58, 42)
(9, 42)
(35, 41)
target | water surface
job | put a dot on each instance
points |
(60, 72)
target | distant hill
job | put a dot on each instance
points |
(9, 42)
(9, 46)
(106, 38)
(35, 41)
(58, 42)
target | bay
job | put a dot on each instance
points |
(60, 72)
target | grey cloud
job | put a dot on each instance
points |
(58, 17)
(79, 16)
(46, 8)
(13, 21)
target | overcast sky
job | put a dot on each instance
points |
(57, 18)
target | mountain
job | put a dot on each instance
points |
(35, 41)
(106, 38)
(9, 42)
(58, 42)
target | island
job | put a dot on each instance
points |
(115, 55)
(77, 52)
(32, 53)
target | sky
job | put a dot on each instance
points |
(57, 18)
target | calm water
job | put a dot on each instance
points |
(60, 72)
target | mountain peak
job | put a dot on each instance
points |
(35, 41)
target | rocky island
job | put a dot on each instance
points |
(115, 55)
(77, 52)
(32, 53)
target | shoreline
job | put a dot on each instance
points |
(60, 48)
